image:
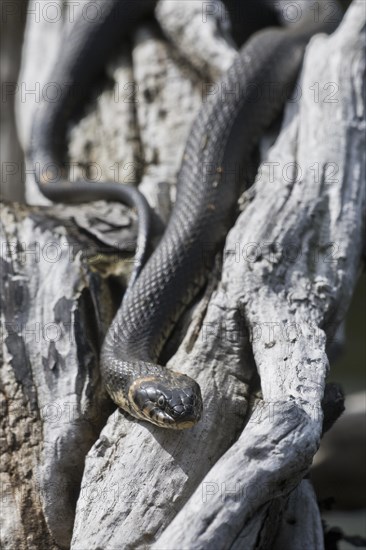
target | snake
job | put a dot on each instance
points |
(221, 141)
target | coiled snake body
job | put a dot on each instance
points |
(219, 145)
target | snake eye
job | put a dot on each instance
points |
(161, 401)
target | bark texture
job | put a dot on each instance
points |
(80, 476)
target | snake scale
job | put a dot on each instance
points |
(222, 138)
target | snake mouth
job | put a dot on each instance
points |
(176, 407)
(164, 420)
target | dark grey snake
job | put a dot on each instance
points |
(223, 136)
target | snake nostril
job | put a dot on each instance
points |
(178, 409)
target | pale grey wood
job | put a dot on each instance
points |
(101, 146)
(41, 44)
(138, 479)
(56, 305)
(298, 298)
(300, 527)
(167, 96)
(159, 140)
(191, 26)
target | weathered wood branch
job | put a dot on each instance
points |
(55, 306)
(300, 244)
(289, 268)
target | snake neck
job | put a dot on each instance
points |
(119, 376)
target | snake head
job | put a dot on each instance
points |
(167, 401)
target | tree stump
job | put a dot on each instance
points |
(81, 474)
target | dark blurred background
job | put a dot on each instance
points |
(12, 23)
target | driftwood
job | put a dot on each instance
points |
(78, 474)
